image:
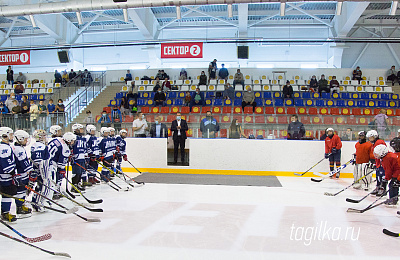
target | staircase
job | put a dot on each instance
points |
(97, 104)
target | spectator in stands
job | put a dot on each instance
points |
(140, 126)
(212, 73)
(134, 90)
(64, 78)
(24, 122)
(131, 96)
(238, 78)
(104, 120)
(347, 136)
(334, 85)
(188, 98)
(34, 113)
(60, 110)
(42, 114)
(164, 75)
(357, 74)
(134, 108)
(159, 74)
(16, 109)
(249, 99)
(197, 99)
(313, 84)
(50, 111)
(223, 72)
(166, 84)
(159, 98)
(209, 126)
(25, 102)
(19, 88)
(235, 130)
(203, 78)
(116, 115)
(3, 109)
(183, 74)
(296, 128)
(229, 92)
(158, 129)
(178, 129)
(21, 79)
(381, 121)
(89, 118)
(323, 85)
(287, 90)
(128, 76)
(214, 64)
(10, 76)
(72, 75)
(157, 84)
(392, 75)
(87, 77)
(79, 78)
(10, 101)
(124, 106)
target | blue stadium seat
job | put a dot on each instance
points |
(169, 102)
(393, 103)
(33, 97)
(345, 95)
(299, 103)
(277, 95)
(278, 102)
(306, 95)
(119, 95)
(18, 97)
(340, 103)
(296, 95)
(394, 96)
(371, 103)
(237, 102)
(382, 103)
(4, 98)
(375, 96)
(330, 103)
(351, 103)
(149, 102)
(41, 97)
(210, 94)
(361, 103)
(238, 94)
(113, 102)
(227, 102)
(178, 102)
(259, 102)
(385, 96)
(257, 94)
(141, 102)
(267, 94)
(315, 95)
(355, 96)
(320, 103)
(208, 101)
(364, 95)
(336, 95)
(172, 94)
(310, 103)
(325, 95)
(217, 102)
(289, 102)
(181, 94)
(268, 103)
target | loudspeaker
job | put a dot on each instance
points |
(63, 56)
(119, 1)
(243, 52)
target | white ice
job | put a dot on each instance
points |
(159, 221)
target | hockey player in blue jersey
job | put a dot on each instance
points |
(121, 148)
(107, 147)
(8, 178)
(113, 148)
(79, 155)
(24, 170)
(93, 153)
(40, 155)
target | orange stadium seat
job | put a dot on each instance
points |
(280, 110)
(174, 110)
(283, 120)
(226, 110)
(291, 110)
(334, 111)
(193, 119)
(237, 110)
(339, 120)
(165, 110)
(305, 120)
(362, 121)
(145, 110)
(238, 118)
(269, 110)
(170, 118)
(301, 110)
(316, 120)
(226, 119)
(328, 120)
(351, 120)
(367, 112)
(155, 110)
(196, 110)
(259, 110)
(185, 110)
(355, 111)
(249, 119)
(312, 111)
(259, 119)
(397, 112)
(323, 111)
(217, 110)
(271, 119)
(248, 110)
(389, 112)
(205, 109)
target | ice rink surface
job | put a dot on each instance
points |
(172, 221)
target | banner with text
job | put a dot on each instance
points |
(15, 58)
(182, 50)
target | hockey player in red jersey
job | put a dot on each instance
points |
(373, 137)
(361, 165)
(333, 146)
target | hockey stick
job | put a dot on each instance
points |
(134, 167)
(330, 194)
(332, 172)
(72, 210)
(74, 201)
(86, 219)
(390, 233)
(371, 206)
(108, 180)
(66, 183)
(26, 243)
(358, 201)
(300, 174)
(88, 200)
(30, 240)
(125, 175)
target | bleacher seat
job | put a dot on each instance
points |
(299, 102)
(351, 103)
(227, 102)
(301, 110)
(237, 102)
(310, 103)
(172, 94)
(169, 102)
(205, 109)
(278, 102)
(208, 101)
(340, 103)
(175, 109)
(196, 110)
(289, 102)
(280, 110)
(217, 102)
(269, 110)
(259, 110)
(323, 111)
(185, 110)
(237, 110)
(267, 94)
(217, 110)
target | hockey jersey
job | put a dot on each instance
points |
(23, 165)
(121, 144)
(332, 142)
(40, 155)
(362, 152)
(7, 164)
(107, 147)
(79, 150)
(391, 166)
(92, 145)
(58, 152)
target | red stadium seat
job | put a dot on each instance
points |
(316, 120)
(193, 119)
(196, 110)
(397, 113)
(291, 110)
(282, 134)
(389, 112)
(339, 120)
(150, 118)
(226, 119)
(107, 109)
(301, 110)
(223, 133)
(185, 110)
(171, 118)
(259, 119)
(376, 111)
(239, 118)
(271, 119)
(305, 120)
(155, 110)
(283, 120)
(367, 112)
(323, 111)
(98, 118)
(145, 110)
(128, 119)
(362, 121)
(260, 132)
(328, 120)
(312, 111)
(237, 110)
(354, 111)
(169, 132)
(351, 120)
(269, 111)
(335, 111)
(226, 110)
(248, 132)
(309, 134)
(217, 110)
(189, 133)
(280, 110)
(248, 119)
(248, 110)
(259, 110)
(396, 121)
(164, 110)
(174, 110)
(205, 109)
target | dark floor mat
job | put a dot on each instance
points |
(210, 179)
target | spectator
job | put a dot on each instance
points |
(87, 77)
(10, 76)
(313, 84)
(159, 74)
(60, 110)
(183, 74)
(42, 114)
(10, 101)
(79, 78)
(116, 116)
(16, 109)
(104, 120)
(287, 90)
(135, 90)
(21, 79)
(296, 129)
(249, 99)
(166, 84)
(357, 74)
(229, 92)
(238, 78)
(223, 73)
(158, 129)
(131, 96)
(214, 64)
(157, 84)
(212, 73)
(64, 78)
(392, 75)
(89, 118)
(19, 89)
(235, 130)
(159, 98)
(178, 129)
(3, 109)
(209, 126)
(197, 99)
(124, 107)
(323, 85)
(25, 102)
(128, 76)
(347, 136)
(50, 111)
(72, 75)
(334, 85)
(140, 126)
(34, 113)
(164, 75)
(24, 122)
(188, 98)
(381, 121)
(203, 78)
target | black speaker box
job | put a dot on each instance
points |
(63, 56)
(243, 52)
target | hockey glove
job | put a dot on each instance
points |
(396, 184)
(125, 157)
(334, 150)
(326, 155)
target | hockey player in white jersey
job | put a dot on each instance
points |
(93, 153)
(121, 148)
(113, 149)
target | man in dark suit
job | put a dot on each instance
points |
(158, 129)
(179, 128)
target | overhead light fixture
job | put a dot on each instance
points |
(32, 20)
(230, 11)
(126, 17)
(393, 8)
(178, 12)
(282, 9)
(79, 17)
(339, 6)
